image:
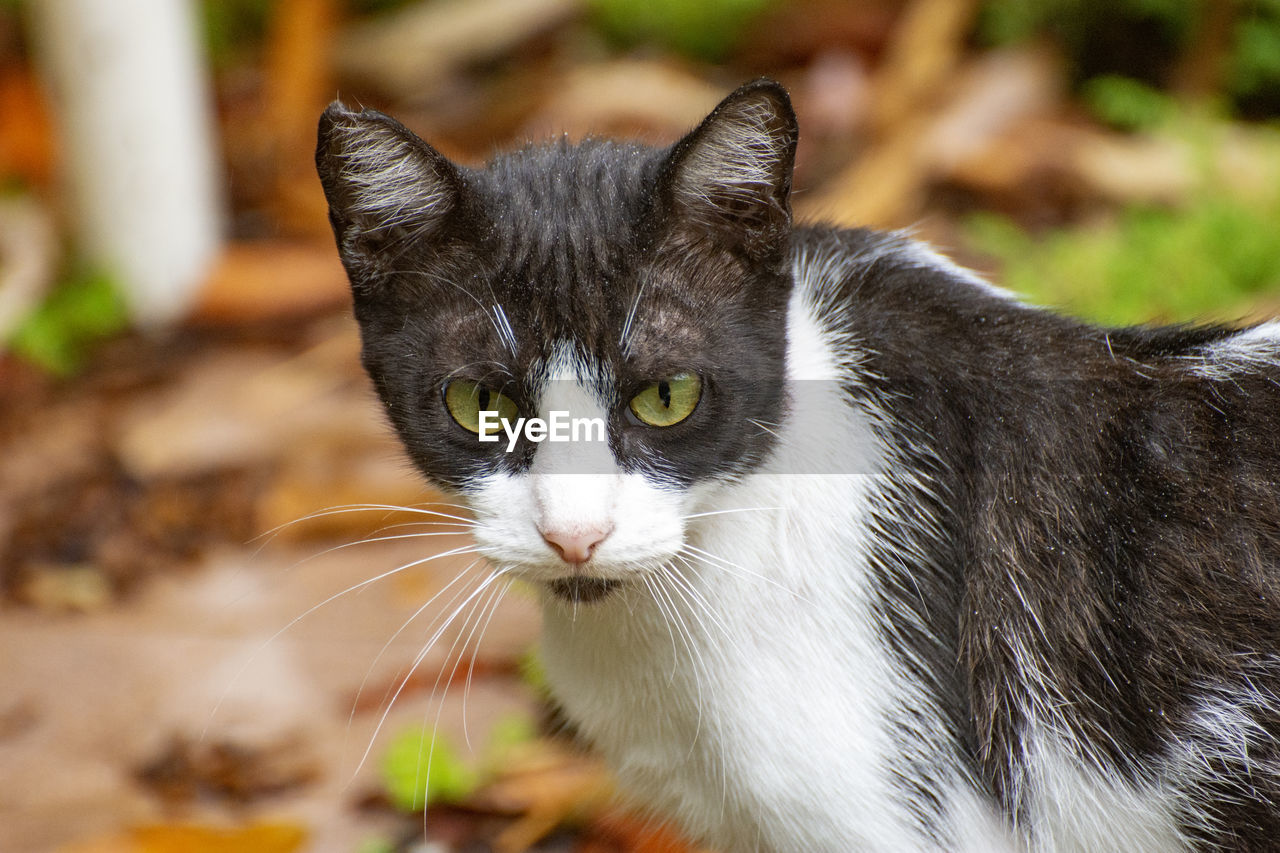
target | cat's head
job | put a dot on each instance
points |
(641, 292)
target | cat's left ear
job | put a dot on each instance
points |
(732, 174)
(388, 191)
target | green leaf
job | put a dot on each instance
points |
(532, 672)
(1126, 103)
(705, 29)
(1210, 261)
(81, 311)
(417, 771)
(509, 733)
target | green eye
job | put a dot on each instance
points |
(668, 402)
(465, 400)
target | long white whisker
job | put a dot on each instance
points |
(733, 568)
(368, 672)
(448, 612)
(727, 511)
(417, 661)
(763, 427)
(435, 725)
(370, 507)
(372, 539)
(501, 592)
(667, 619)
(693, 648)
(679, 581)
(467, 549)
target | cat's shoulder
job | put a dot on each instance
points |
(891, 272)
(892, 267)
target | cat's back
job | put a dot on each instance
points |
(1110, 525)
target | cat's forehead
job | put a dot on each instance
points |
(565, 198)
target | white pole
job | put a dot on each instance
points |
(132, 101)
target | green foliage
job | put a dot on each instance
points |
(1010, 21)
(1144, 40)
(232, 25)
(83, 310)
(1255, 62)
(417, 770)
(509, 733)
(706, 29)
(376, 845)
(1126, 103)
(532, 671)
(1210, 261)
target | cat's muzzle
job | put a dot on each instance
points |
(583, 590)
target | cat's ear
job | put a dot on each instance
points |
(732, 174)
(387, 189)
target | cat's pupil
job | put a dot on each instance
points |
(484, 399)
(664, 394)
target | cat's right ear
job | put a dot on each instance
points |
(388, 191)
(731, 177)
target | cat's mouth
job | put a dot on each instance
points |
(583, 590)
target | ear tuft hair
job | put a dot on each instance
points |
(733, 172)
(384, 184)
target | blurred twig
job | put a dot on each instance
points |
(881, 185)
(28, 256)
(408, 52)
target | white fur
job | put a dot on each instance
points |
(390, 181)
(740, 682)
(1077, 807)
(740, 685)
(924, 255)
(1244, 351)
(571, 486)
(740, 158)
(1225, 732)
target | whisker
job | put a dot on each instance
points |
(417, 661)
(727, 511)
(369, 540)
(369, 672)
(368, 507)
(695, 655)
(494, 601)
(435, 725)
(468, 549)
(765, 428)
(734, 569)
(667, 619)
(680, 581)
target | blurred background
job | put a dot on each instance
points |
(212, 625)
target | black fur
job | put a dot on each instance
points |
(1079, 498)
(572, 240)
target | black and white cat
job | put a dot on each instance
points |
(873, 556)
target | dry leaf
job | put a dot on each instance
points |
(194, 838)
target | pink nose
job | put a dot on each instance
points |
(575, 546)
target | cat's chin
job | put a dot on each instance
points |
(583, 590)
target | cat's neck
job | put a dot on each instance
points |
(671, 679)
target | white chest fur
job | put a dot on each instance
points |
(746, 692)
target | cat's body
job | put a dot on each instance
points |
(924, 568)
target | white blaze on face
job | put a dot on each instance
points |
(575, 483)
(576, 511)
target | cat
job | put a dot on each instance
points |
(874, 555)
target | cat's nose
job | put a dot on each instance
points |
(577, 545)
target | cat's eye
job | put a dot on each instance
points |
(466, 400)
(669, 401)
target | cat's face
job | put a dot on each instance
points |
(640, 293)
